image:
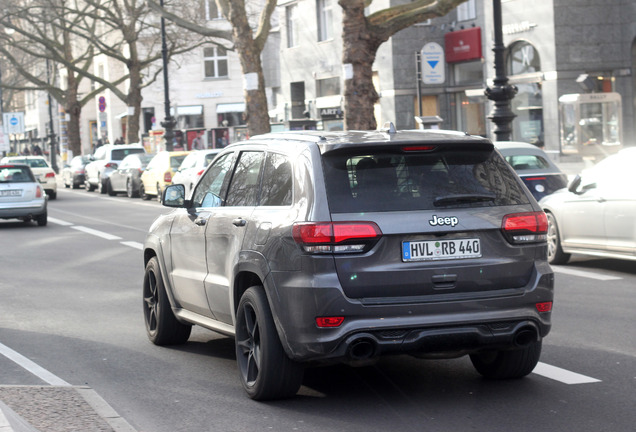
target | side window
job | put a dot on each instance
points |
(209, 191)
(277, 181)
(243, 189)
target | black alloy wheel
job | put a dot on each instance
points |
(266, 371)
(162, 327)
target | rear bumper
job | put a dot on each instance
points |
(446, 327)
(20, 210)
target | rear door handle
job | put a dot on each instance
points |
(239, 222)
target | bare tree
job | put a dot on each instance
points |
(131, 35)
(248, 43)
(43, 36)
(362, 36)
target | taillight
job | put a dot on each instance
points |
(50, 175)
(38, 192)
(200, 172)
(534, 178)
(329, 321)
(167, 177)
(112, 165)
(544, 307)
(531, 227)
(336, 237)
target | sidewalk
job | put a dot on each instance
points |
(57, 409)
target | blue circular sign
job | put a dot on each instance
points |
(13, 121)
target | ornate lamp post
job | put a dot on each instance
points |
(169, 122)
(501, 93)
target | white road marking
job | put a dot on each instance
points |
(59, 221)
(132, 244)
(32, 367)
(562, 375)
(96, 232)
(585, 274)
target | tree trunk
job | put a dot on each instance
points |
(134, 99)
(256, 112)
(359, 48)
(73, 129)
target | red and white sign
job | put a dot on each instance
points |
(463, 45)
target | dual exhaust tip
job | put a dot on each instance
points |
(364, 348)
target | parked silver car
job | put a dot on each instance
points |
(321, 247)
(21, 195)
(596, 214)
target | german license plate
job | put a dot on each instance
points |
(11, 193)
(441, 249)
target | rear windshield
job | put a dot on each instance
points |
(390, 181)
(120, 154)
(33, 163)
(527, 162)
(15, 174)
(175, 161)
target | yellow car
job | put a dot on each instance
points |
(159, 172)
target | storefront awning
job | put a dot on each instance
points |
(189, 110)
(230, 107)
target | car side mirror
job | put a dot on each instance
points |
(174, 196)
(574, 184)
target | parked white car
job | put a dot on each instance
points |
(106, 159)
(21, 195)
(192, 167)
(41, 170)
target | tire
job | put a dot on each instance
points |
(109, 188)
(89, 187)
(142, 192)
(76, 185)
(265, 370)
(555, 252)
(129, 190)
(508, 364)
(101, 186)
(53, 195)
(162, 326)
(42, 219)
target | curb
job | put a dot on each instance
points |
(57, 408)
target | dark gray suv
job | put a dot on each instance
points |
(319, 247)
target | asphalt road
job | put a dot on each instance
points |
(70, 302)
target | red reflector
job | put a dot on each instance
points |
(200, 172)
(167, 177)
(49, 175)
(535, 222)
(544, 307)
(418, 148)
(535, 178)
(329, 321)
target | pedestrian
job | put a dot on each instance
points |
(197, 143)
(37, 151)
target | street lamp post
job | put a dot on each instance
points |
(501, 93)
(169, 122)
(52, 137)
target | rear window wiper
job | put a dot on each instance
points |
(462, 199)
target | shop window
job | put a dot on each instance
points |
(466, 11)
(328, 87)
(523, 58)
(468, 73)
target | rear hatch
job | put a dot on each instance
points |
(17, 185)
(427, 223)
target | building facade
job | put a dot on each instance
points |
(572, 62)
